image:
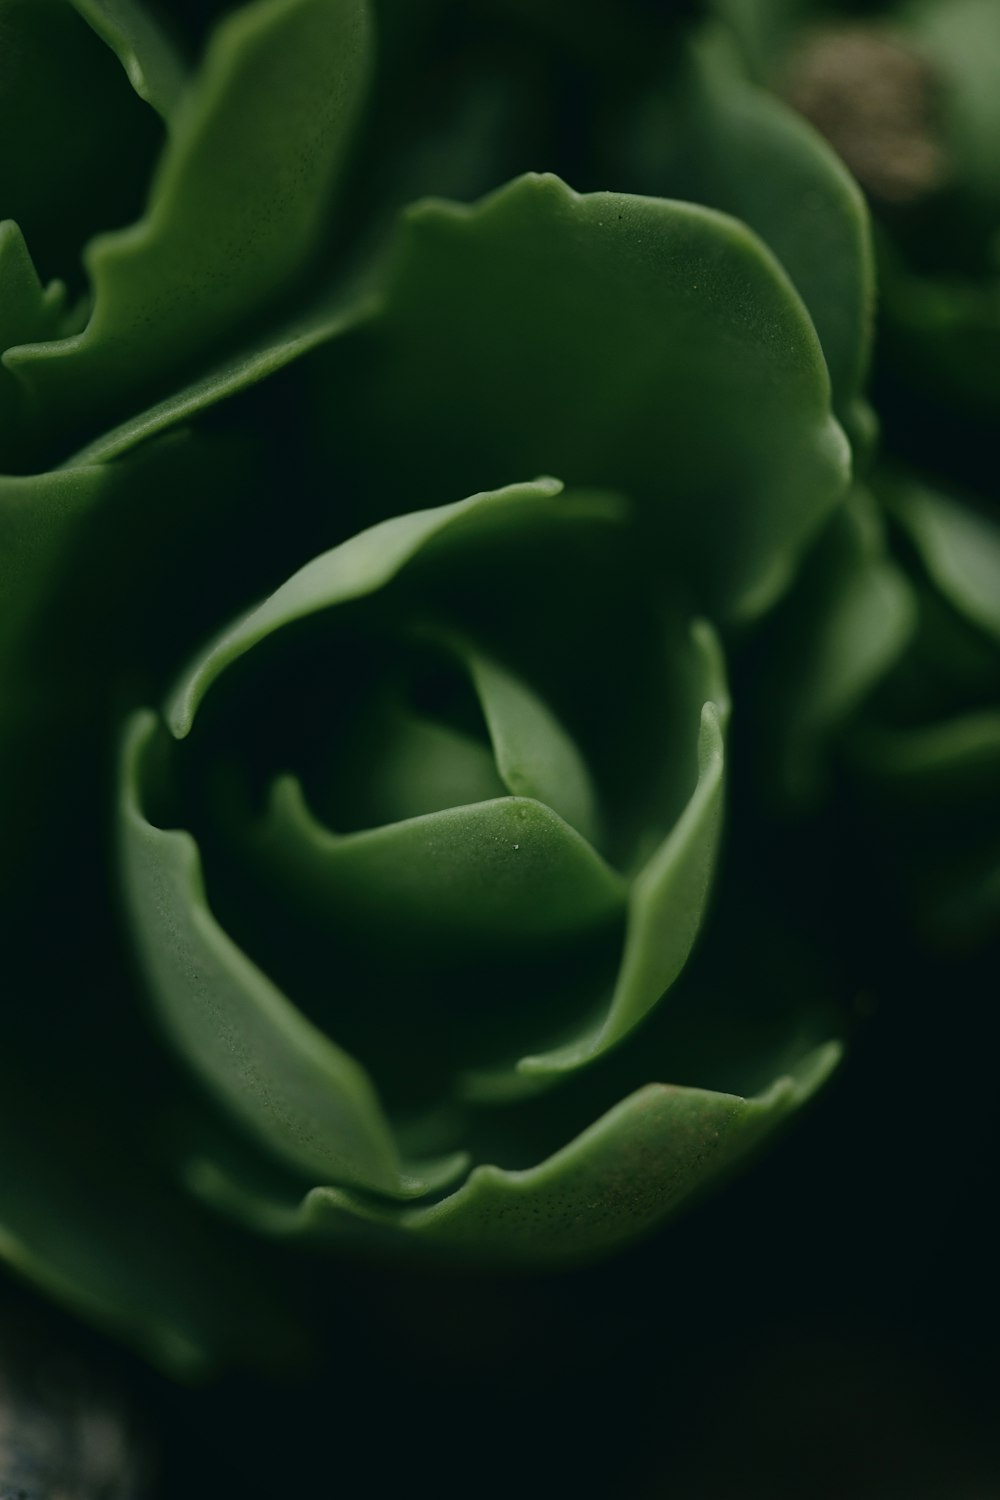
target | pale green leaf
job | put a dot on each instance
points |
(508, 871)
(534, 754)
(639, 1163)
(307, 1101)
(666, 903)
(961, 39)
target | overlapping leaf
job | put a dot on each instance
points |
(235, 210)
(631, 1169)
(724, 141)
(601, 338)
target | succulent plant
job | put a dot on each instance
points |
(390, 533)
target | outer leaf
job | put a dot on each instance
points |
(848, 622)
(951, 751)
(236, 207)
(306, 1100)
(40, 515)
(253, 361)
(357, 567)
(27, 311)
(962, 37)
(935, 798)
(153, 66)
(77, 610)
(100, 1232)
(65, 104)
(601, 338)
(960, 549)
(636, 1165)
(749, 154)
(943, 336)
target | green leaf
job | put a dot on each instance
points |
(666, 902)
(154, 68)
(962, 40)
(396, 764)
(960, 549)
(942, 334)
(933, 789)
(746, 152)
(100, 1230)
(510, 871)
(652, 348)
(359, 566)
(253, 361)
(668, 896)
(534, 754)
(306, 1101)
(639, 1163)
(948, 752)
(763, 29)
(40, 520)
(27, 311)
(77, 143)
(236, 210)
(847, 623)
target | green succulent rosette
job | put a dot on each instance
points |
(496, 879)
(365, 789)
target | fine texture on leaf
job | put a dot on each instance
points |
(627, 1172)
(234, 213)
(750, 155)
(509, 869)
(306, 1100)
(601, 338)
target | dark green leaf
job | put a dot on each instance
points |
(235, 211)
(653, 348)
